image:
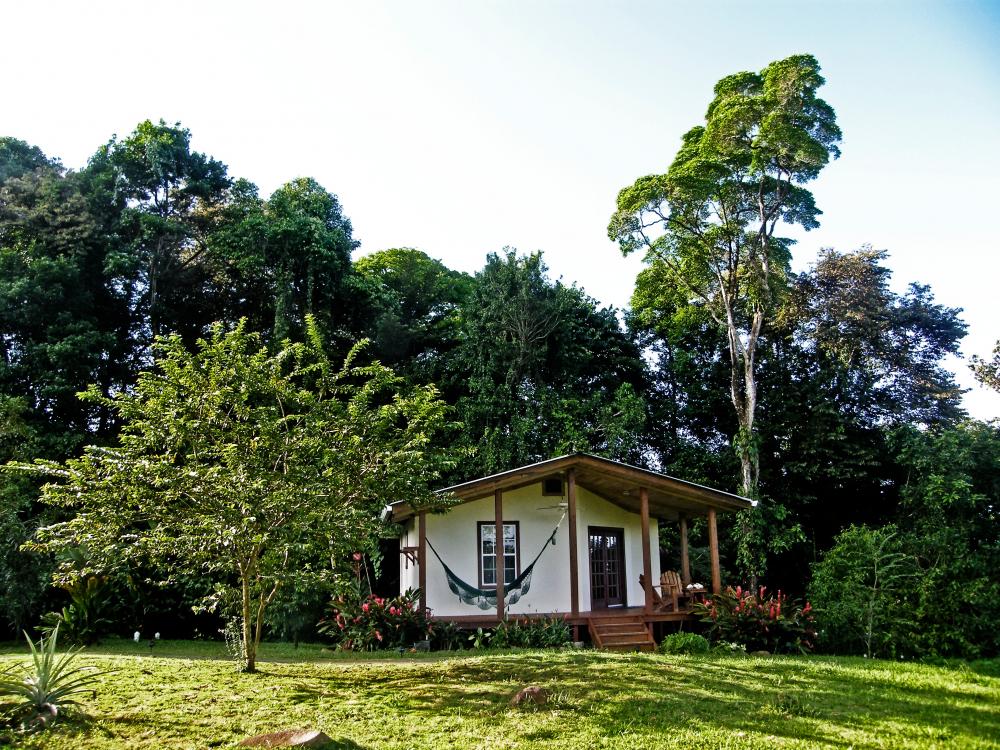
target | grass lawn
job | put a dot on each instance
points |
(187, 695)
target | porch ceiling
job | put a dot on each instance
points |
(618, 483)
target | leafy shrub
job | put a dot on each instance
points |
(374, 622)
(759, 621)
(684, 643)
(541, 632)
(446, 636)
(860, 589)
(35, 696)
(85, 619)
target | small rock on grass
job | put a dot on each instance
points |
(312, 738)
(530, 694)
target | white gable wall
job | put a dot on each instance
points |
(454, 535)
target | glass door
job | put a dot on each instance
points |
(607, 567)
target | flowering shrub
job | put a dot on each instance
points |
(374, 622)
(758, 620)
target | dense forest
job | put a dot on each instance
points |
(861, 451)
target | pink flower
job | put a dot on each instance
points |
(357, 556)
(364, 607)
(378, 635)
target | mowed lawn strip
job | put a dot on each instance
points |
(187, 695)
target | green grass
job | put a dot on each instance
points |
(186, 695)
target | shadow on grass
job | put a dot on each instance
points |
(832, 701)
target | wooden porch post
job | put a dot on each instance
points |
(647, 563)
(574, 573)
(713, 550)
(685, 560)
(422, 558)
(498, 548)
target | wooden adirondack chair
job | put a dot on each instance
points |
(665, 599)
(670, 585)
(670, 594)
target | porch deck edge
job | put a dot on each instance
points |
(581, 618)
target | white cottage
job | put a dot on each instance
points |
(578, 531)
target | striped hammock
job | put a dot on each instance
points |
(487, 598)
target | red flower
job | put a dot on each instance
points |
(364, 607)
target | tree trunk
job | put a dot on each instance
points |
(249, 644)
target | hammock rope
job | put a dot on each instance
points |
(487, 598)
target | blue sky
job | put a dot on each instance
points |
(462, 127)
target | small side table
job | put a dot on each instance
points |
(696, 596)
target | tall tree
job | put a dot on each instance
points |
(18, 157)
(544, 370)
(168, 197)
(419, 303)
(287, 258)
(846, 362)
(711, 221)
(987, 372)
(258, 469)
(885, 349)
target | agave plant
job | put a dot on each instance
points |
(35, 695)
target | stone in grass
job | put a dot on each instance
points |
(289, 738)
(530, 694)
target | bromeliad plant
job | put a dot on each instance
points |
(35, 696)
(760, 621)
(373, 622)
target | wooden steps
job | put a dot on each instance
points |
(621, 634)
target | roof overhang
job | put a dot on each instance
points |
(669, 498)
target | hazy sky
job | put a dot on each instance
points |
(459, 128)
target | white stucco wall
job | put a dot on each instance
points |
(454, 536)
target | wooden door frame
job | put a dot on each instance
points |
(623, 578)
